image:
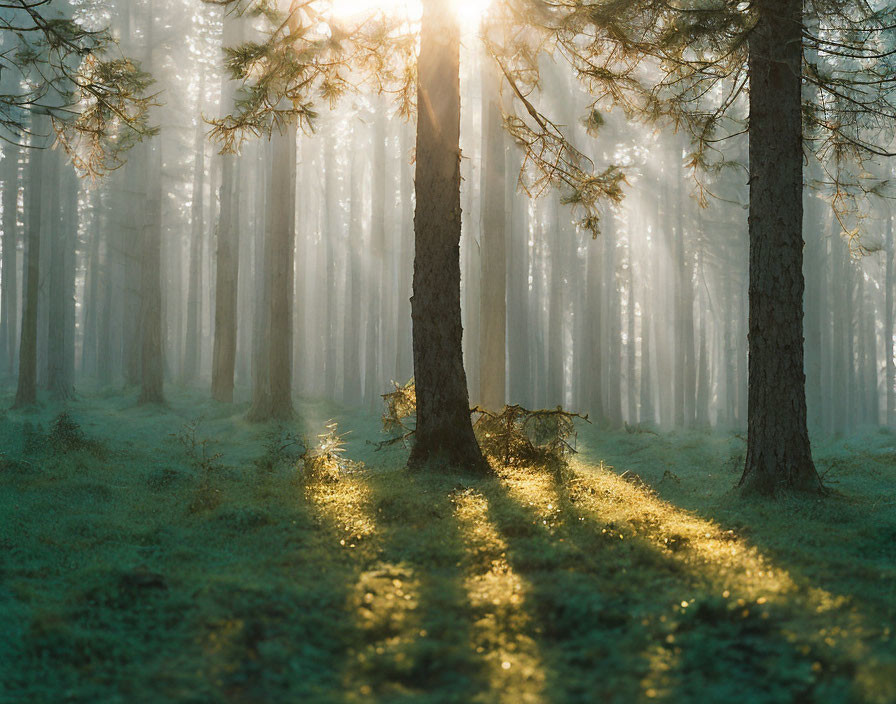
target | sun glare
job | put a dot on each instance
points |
(469, 12)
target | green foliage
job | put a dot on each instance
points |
(514, 437)
(400, 407)
(325, 460)
(519, 437)
(281, 448)
(64, 437)
(95, 97)
(204, 462)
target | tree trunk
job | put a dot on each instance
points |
(404, 363)
(59, 340)
(890, 374)
(444, 429)
(518, 286)
(193, 332)
(9, 313)
(351, 373)
(493, 287)
(375, 256)
(227, 264)
(227, 268)
(260, 409)
(26, 393)
(281, 246)
(151, 364)
(778, 453)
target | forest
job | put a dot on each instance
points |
(526, 351)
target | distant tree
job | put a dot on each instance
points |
(62, 78)
(227, 261)
(493, 287)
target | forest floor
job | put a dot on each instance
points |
(133, 572)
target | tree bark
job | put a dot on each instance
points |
(778, 453)
(193, 332)
(151, 364)
(375, 257)
(281, 250)
(227, 263)
(890, 369)
(26, 392)
(493, 287)
(444, 430)
(9, 294)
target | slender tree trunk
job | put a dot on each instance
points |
(593, 362)
(493, 286)
(444, 429)
(59, 342)
(26, 393)
(375, 255)
(9, 293)
(555, 378)
(631, 358)
(404, 362)
(151, 360)
(518, 287)
(227, 255)
(281, 250)
(105, 352)
(890, 373)
(612, 323)
(193, 332)
(227, 269)
(778, 453)
(351, 374)
(260, 409)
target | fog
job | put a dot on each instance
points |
(645, 325)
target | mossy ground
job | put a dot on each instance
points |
(635, 575)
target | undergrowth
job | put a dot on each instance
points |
(391, 586)
(512, 437)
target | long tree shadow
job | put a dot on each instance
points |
(407, 599)
(856, 559)
(663, 605)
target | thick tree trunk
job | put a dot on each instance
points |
(778, 452)
(493, 286)
(444, 429)
(26, 393)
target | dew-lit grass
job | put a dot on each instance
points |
(592, 584)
